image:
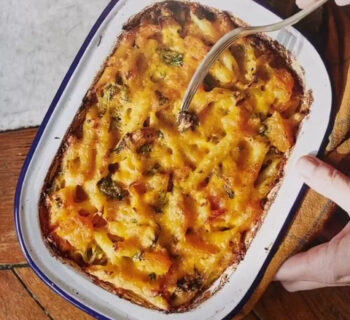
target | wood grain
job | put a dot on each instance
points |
(278, 304)
(330, 303)
(322, 304)
(15, 301)
(325, 304)
(14, 146)
(251, 316)
(57, 307)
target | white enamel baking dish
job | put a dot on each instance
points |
(76, 287)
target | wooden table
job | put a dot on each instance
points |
(23, 296)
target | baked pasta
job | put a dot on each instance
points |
(152, 213)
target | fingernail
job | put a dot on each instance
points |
(342, 2)
(302, 4)
(306, 166)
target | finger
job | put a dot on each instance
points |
(342, 2)
(311, 265)
(343, 232)
(293, 286)
(325, 180)
(325, 264)
(340, 255)
(302, 4)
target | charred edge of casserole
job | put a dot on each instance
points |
(245, 243)
(288, 60)
(180, 11)
(123, 293)
(75, 129)
(206, 293)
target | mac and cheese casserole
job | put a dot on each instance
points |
(157, 214)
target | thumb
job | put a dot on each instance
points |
(342, 2)
(302, 4)
(324, 265)
(325, 180)
(311, 266)
(306, 3)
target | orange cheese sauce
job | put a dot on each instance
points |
(154, 211)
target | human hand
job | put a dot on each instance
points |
(305, 3)
(328, 264)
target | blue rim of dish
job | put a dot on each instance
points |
(35, 143)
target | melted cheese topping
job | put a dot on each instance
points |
(158, 212)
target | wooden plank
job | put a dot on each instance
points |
(330, 303)
(15, 301)
(322, 304)
(251, 316)
(14, 146)
(278, 304)
(57, 307)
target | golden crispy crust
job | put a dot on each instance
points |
(189, 288)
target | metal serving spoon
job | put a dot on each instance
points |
(187, 119)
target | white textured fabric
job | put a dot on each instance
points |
(38, 41)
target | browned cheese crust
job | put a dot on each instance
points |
(153, 214)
